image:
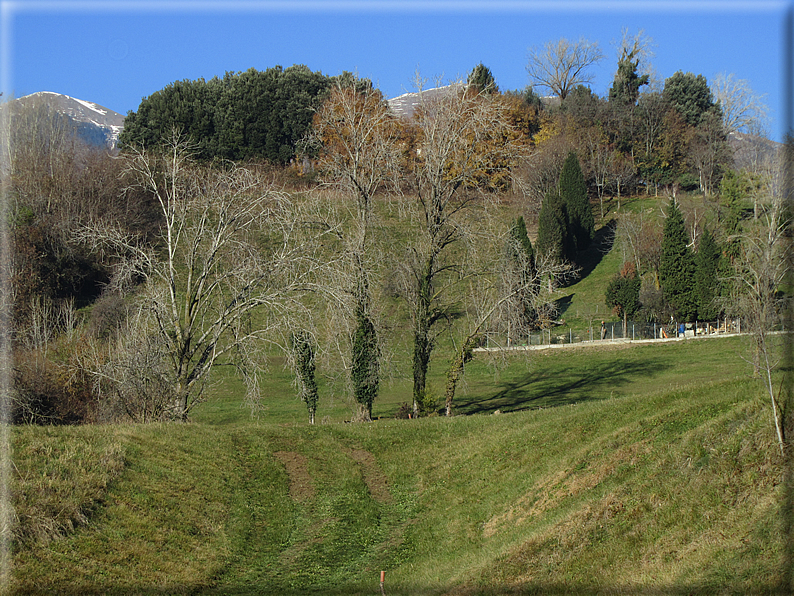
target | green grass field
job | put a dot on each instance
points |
(644, 469)
(606, 469)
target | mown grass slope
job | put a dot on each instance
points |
(649, 469)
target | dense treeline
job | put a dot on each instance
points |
(187, 257)
(245, 115)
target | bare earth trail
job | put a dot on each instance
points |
(333, 503)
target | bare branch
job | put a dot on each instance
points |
(562, 65)
(743, 110)
(227, 249)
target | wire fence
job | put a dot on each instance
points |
(614, 331)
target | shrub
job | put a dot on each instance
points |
(404, 411)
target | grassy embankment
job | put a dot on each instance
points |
(663, 476)
(616, 469)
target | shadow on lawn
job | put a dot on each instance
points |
(602, 242)
(563, 387)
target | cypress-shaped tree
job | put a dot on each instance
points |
(304, 367)
(573, 190)
(553, 228)
(707, 279)
(521, 247)
(365, 366)
(521, 257)
(677, 266)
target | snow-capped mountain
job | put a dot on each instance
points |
(404, 105)
(750, 151)
(97, 125)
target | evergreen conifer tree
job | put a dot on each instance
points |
(518, 233)
(305, 367)
(552, 228)
(573, 190)
(522, 259)
(707, 282)
(481, 80)
(677, 266)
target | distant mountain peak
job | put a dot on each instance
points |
(96, 124)
(404, 105)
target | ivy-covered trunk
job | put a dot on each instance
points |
(365, 372)
(456, 370)
(303, 348)
(423, 344)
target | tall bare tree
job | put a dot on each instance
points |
(499, 295)
(743, 110)
(358, 139)
(758, 276)
(225, 251)
(457, 135)
(562, 65)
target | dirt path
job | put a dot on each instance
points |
(301, 487)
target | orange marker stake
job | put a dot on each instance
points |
(382, 579)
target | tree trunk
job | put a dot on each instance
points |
(456, 370)
(423, 345)
(421, 358)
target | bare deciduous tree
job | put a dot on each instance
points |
(708, 151)
(562, 65)
(743, 110)
(358, 137)
(757, 278)
(498, 297)
(639, 236)
(225, 251)
(454, 142)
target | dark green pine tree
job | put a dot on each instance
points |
(677, 266)
(573, 190)
(365, 366)
(521, 249)
(521, 256)
(690, 96)
(625, 88)
(553, 228)
(482, 80)
(707, 279)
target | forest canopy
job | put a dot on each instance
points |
(244, 115)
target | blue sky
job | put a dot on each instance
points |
(115, 53)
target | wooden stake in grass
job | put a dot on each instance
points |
(382, 580)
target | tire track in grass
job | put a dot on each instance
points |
(373, 476)
(262, 519)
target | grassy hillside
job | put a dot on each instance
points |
(657, 472)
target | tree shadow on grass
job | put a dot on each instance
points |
(603, 240)
(563, 303)
(562, 387)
